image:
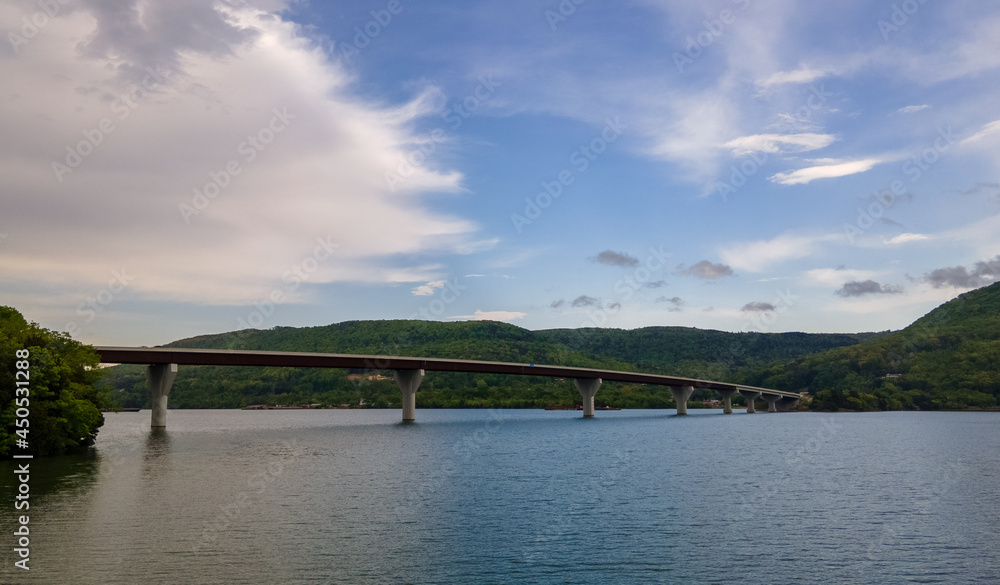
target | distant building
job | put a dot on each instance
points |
(366, 377)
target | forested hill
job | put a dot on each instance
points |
(948, 359)
(671, 350)
(681, 351)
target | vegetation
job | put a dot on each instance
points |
(947, 360)
(63, 399)
(675, 350)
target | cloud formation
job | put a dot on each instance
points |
(779, 143)
(987, 130)
(756, 256)
(758, 307)
(676, 303)
(708, 270)
(826, 169)
(481, 315)
(426, 290)
(982, 274)
(905, 239)
(912, 109)
(867, 287)
(584, 301)
(231, 112)
(612, 258)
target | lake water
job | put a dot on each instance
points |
(519, 496)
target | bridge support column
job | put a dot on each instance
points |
(409, 381)
(587, 388)
(161, 378)
(727, 400)
(681, 395)
(772, 402)
(750, 395)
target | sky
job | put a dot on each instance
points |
(171, 169)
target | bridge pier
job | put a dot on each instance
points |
(681, 395)
(772, 402)
(750, 395)
(161, 378)
(408, 382)
(587, 388)
(727, 400)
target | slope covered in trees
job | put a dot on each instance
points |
(948, 359)
(51, 378)
(679, 351)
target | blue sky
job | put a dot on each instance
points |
(173, 169)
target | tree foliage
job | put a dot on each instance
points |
(949, 359)
(64, 401)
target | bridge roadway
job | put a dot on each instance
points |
(163, 363)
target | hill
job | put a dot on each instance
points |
(680, 351)
(948, 359)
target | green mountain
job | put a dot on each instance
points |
(674, 350)
(948, 359)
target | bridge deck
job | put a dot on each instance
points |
(223, 357)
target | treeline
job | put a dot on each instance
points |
(947, 360)
(670, 350)
(52, 379)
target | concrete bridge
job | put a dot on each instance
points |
(163, 364)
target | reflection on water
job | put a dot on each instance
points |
(475, 496)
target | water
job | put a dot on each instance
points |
(521, 496)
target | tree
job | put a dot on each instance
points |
(63, 400)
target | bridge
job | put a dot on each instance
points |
(163, 364)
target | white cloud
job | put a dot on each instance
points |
(836, 277)
(912, 109)
(779, 143)
(829, 169)
(802, 75)
(321, 177)
(987, 130)
(905, 239)
(756, 256)
(426, 290)
(492, 316)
